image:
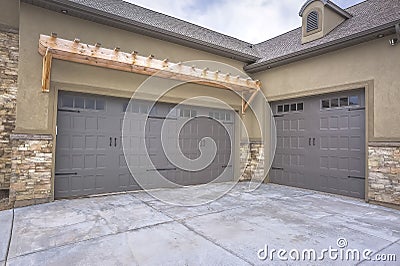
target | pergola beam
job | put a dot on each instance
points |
(47, 59)
(74, 51)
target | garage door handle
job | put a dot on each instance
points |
(313, 141)
(309, 141)
(110, 141)
(66, 173)
(356, 109)
(161, 169)
(115, 142)
(68, 111)
(356, 177)
(277, 168)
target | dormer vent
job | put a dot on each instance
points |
(312, 21)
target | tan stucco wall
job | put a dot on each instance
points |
(35, 110)
(9, 13)
(374, 61)
(331, 20)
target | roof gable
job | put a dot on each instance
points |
(369, 18)
(327, 3)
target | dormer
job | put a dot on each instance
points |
(319, 17)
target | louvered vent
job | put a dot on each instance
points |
(312, 21)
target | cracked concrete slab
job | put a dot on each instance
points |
(166, 244)
(387, 256)
(189, 195)
(183, 212)
(62, 222)
(274, 225)
(6, 218)
(136, 228)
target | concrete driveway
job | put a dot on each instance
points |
(136, 229)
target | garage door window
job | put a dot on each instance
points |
(79, 103)
(68, 101)
(137, 108)
(354, 100)
(186, 112)
(83, 103)
(344, 101)
(90, 104)
(341, 102)
(223, 116)
(293, 107)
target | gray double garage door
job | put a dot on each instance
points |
(89, 146)
(321, 143)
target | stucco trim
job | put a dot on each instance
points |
(305, 23)
(323, 90)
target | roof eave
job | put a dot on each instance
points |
(321, 49)
(119, 22)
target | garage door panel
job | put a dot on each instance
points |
(64, 121)
(78, 123)
(333, 143)
(77, 142)
(90, 161)
(89, 144)
(344, 122)
(89, 182)
(76, 184)
(76, 162)
(64, 142)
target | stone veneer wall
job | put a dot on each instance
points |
(32, 160)
(9, 52)
(252, 161)
(384, 173)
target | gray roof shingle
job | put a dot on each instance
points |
(367, 15)
(157, 22)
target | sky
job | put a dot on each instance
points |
(253, 21)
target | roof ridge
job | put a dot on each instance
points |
(362, 2)
(277, 36)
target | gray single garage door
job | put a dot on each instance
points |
(89, 152)
(321, 143)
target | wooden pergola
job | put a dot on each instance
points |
(74, 51)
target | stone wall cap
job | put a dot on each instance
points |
(385, 144)
(31, 137)
(8, 29)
